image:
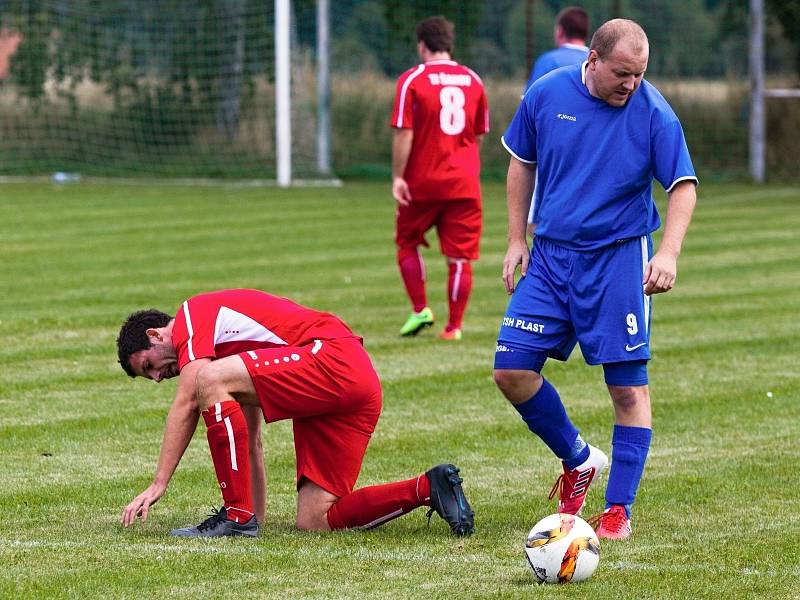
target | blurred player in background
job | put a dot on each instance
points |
(570, 34)
(599, 135)
(440, 116)
(243, 353)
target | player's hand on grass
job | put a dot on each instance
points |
(400, 191)
(517, 254)
(142, 503)
(660, 273)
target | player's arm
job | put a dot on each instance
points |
(660, 272)
(531, 224)
(401, 150)
(519, 187)
(180, 426)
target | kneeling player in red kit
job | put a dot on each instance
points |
(243, 354)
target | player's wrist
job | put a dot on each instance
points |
(669, 252)
(160, 482)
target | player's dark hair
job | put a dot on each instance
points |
(574, 21)
(437, 33)
(609, 33)
(133, 335)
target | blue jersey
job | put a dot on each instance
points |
(563, 56)
(596, 162)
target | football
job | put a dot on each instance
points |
(561, 549)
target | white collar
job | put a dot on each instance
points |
(574, 47)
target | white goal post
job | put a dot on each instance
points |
(283, 85)
(758, 93)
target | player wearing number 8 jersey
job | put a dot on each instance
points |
(243, 353)
(440, 116)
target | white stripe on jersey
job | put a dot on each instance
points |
(474, 74)
(486, 112)
(403, 90)
(189, 328)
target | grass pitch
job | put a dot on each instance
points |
(717, 515)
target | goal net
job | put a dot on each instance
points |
(177, 88)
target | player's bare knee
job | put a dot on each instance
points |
(517, 385)
(506, 380)
(627, 398)
(210, 387)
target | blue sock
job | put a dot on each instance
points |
(545, 416)
(629, 447)
(579, 454)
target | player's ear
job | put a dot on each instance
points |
(155, 334)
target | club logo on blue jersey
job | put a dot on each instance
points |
(564, 117)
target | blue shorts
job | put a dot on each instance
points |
(595, 298)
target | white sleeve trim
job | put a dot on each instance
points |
(512, 153)
(679, 179)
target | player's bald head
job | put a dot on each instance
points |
(620, 32)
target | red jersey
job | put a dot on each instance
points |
(444, 103)
(227, 322)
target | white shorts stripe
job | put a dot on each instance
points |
(232, 443)
(645, 260)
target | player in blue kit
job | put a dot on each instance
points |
(598, 134)
(570, 34)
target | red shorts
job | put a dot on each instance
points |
(332, 393)
(457, 222)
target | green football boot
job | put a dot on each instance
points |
(417, 322)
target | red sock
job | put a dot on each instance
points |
(459, 285)
(227, 440)
(371, 506)
(412, 270)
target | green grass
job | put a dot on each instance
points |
(718, 512)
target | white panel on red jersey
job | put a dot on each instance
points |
(233, 326)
